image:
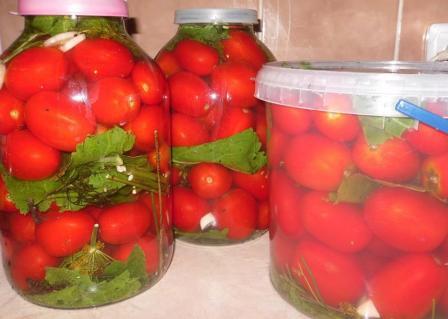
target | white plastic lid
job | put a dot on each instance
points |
(374, 87)
(210, 15)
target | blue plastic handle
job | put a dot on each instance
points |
(422, 115)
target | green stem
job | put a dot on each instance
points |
(94, 236)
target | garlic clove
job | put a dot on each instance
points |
(59, 39)
(70, 44)
(208, 221)
(367, 309)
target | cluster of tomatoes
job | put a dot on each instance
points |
(50, 103)
(212, 97)
(392, 247)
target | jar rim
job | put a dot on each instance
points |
(106, 8)
(216, 15)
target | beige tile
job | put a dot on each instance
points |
(330, 29)
(156, 18)
(418, 15)
(10, 25)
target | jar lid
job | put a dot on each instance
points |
(210, 15)
(373, 86)
(106, 8)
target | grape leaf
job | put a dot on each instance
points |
(354, 189)
(84, 177)
(75, 290)
(378, 129)
(102, 146)
(53, 25)
(240, 152)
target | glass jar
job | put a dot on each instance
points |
(85, 158)
(218, 127)
(359, 213)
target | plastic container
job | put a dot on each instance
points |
(358, 195)
(218, 127)
(85, 158)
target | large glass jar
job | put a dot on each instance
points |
(85, 158)
(218, 127)
(358, 190)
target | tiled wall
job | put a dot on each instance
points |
(297, 29)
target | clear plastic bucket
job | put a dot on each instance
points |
(358, 191)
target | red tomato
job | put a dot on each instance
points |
(26, 157)
(380, 249)
(337, 126)
(31, 260)
(163, 157)
(276, 146)
(261, 126)
(168, 63)
(150, 248)
(65, 234)
(434, 176)
(236, 211)
(57, 121)
(102, 58)
(163, 214)
(393, 161)
(241, 46)
(188, 209)
(339, 225)
(408, 287)
(210, 180)
(290, 120)
(6, 205)
(93, 211)
(187, 131)
(427, 140)
(256, 184)
(234, 84)
(336, 277)
(8, 247)
(263, 216)
(189, 94)
(22, 227)
(233, 121)
(11, 113)
(285, 200)
(282, 252)
(371, 264)
(405, 219)
(443, 303)
(114, 101)
(124, 223)
(34, 70)
(196, 57)
(176, 175)
(317, 162)
(150, 119)
(149, 81)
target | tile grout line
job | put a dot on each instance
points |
(398, 30)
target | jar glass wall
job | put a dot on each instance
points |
(85, 162)
(218, 127)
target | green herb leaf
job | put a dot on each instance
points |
(240, 152)
(25, 193)
(354, 189)
(74, 290)
(378, 129)
(88, 176)
(101, 147)
(209, 34)
(53, 25)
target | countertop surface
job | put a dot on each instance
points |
(201, 283)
